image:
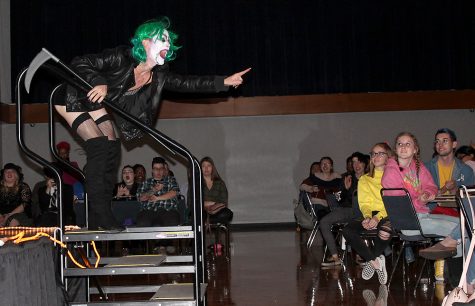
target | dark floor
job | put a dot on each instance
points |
(274, 267)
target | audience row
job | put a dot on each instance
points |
(449, 169)
(158, 195)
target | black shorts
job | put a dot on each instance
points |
(75, 100)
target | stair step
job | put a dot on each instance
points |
(181, 292)
(136, 261)
(129, 270)
(131, 233)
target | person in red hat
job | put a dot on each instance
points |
(64, 148)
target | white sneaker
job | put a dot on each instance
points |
(382, 273)
(368, 271)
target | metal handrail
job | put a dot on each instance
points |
(37, 158)
(173, 146)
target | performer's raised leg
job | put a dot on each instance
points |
(96, 146)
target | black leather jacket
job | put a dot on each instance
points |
(115, 68)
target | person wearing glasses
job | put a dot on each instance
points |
(374, 216)
(158, 196)
(407, 171)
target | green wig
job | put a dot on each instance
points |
(149, 29)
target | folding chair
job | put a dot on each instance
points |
(217, 228)
(336, 227)
(307, 203)
(462, 199)
(403, 217)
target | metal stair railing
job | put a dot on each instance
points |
(193, 164)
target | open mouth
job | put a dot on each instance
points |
(163, 53)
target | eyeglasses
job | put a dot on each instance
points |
(377, 154)
(441, 141)
(405, 145)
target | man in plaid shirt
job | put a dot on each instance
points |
(158, 196)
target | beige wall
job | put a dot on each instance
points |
(263, 159)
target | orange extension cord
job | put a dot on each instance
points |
(38, 232)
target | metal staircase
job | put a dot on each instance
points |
(164, 294)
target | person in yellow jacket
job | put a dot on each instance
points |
(374, 216)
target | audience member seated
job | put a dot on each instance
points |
(467, 155)
(215, 193)
(359, 164)
(321, 183)
(139, 173)
(15, 197)
(307, 184)
(349, 166)
(159, 198)
(69, 177)
(127, 188)
(407, 171)
(374, 216)
(44, 206)
(343, 213)
(448, 172)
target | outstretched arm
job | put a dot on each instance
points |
(195, 83)
(235, 79)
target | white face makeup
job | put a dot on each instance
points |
(159, 48)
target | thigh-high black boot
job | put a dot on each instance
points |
(100, 214)
(112, 166)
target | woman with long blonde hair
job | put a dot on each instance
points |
(374, 216)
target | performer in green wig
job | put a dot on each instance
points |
(133, 78)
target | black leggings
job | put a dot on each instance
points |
(352, 232)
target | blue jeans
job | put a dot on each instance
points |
(441, 225)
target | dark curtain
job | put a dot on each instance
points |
(294, 47)
(27, 275)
